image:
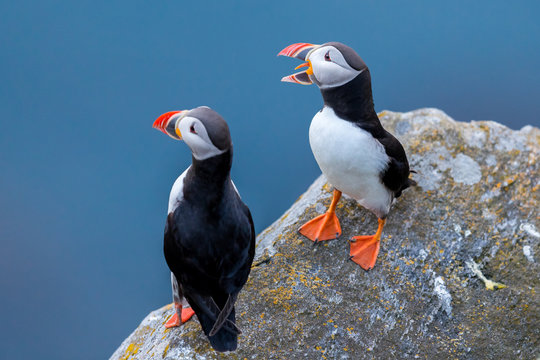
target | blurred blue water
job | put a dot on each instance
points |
(85, 179)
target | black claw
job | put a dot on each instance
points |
(316, 241)
(351, 257)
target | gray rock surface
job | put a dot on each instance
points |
(470, 225)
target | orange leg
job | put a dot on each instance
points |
(185, 314)
(364, 249)
(325, 226)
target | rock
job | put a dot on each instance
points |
(471, 223)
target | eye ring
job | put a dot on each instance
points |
(192, 129)
(327, 56)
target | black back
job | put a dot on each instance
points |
(353, 102)
(209, 245)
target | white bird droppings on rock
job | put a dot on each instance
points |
(444, 296)
(490, 284)
(527, 251)
(530, 229)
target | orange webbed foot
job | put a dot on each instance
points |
(365, 248)
(187, 313)
(323, 227)
(175, 320)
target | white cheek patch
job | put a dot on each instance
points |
(200, 144)
(331, 73)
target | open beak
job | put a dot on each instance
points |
(168, 123)
(299, 51)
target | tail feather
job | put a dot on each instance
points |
(224, 339)
(224, 313)
(219, 325)
(407, 184)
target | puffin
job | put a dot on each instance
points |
(353, 150)
(209, 240)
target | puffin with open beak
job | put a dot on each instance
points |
(209, 240)
(355, 153)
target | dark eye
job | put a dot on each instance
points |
(327, 56)
(192, 129)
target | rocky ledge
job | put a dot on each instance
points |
(456, 276)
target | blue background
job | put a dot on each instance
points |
(85, 179)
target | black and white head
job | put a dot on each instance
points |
(329, 65)
(202, 129)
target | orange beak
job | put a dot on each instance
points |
(167, 123)
(299, 51)
(309, 71)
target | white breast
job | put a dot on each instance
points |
(351, 159)
(177, 193)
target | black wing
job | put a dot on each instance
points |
(396, 176)
(242, 274)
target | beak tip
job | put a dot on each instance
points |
(157, 125)
(161, 122)
(285, 79)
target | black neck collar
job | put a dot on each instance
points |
(215, 169)
(353, 102)
(208, 181)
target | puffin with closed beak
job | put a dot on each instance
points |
(209, 240)
(355, 153)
